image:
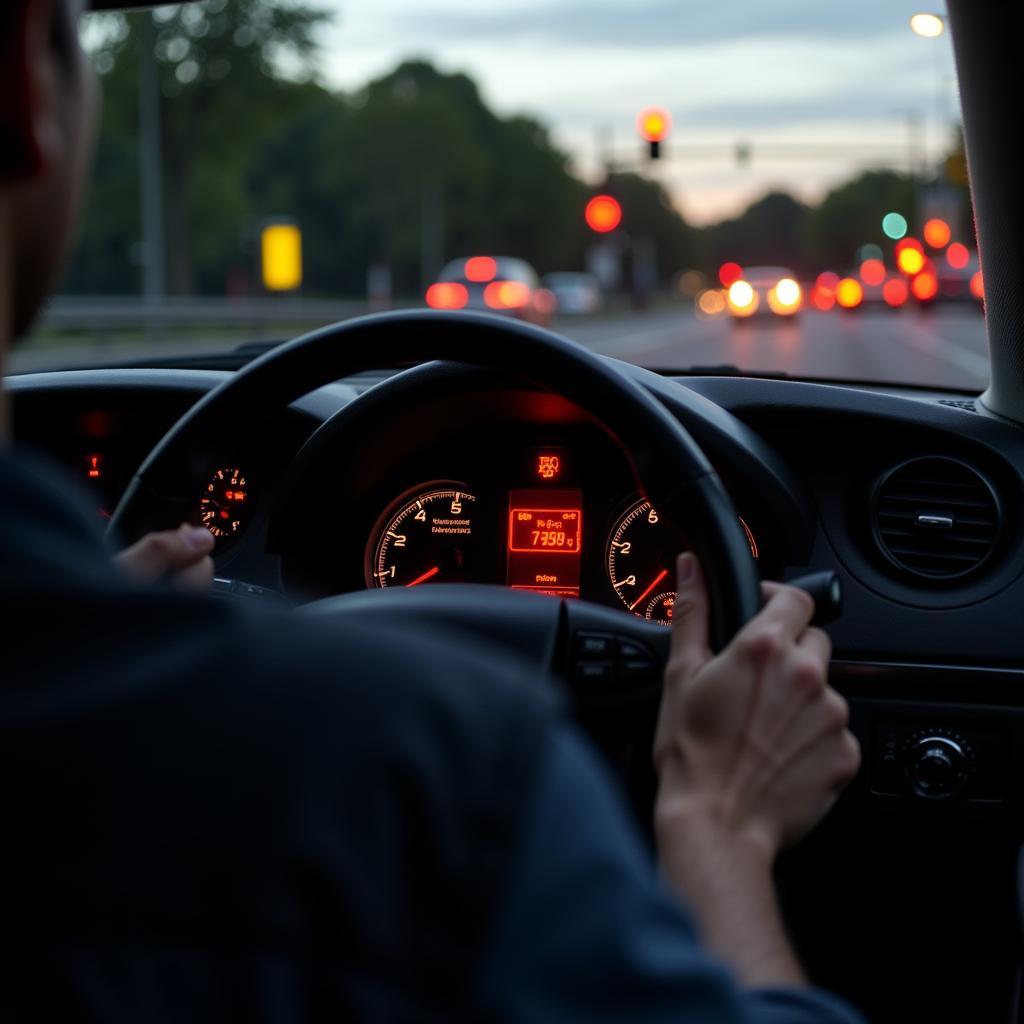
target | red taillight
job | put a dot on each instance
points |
(481, 268)
(957, 256)
(729, 273)
(507, 295)
(544, 301)
(895, 292)
(447, 295)
(925, 286)
(872, 272)
(977, 285)
(823, 298)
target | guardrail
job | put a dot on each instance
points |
(114, 314)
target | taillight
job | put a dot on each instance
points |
(895, 292)
(447, 295)
(507, 295)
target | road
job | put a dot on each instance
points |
(943, 347)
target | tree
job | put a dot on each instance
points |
(648, 214)
(222, 76)
(851, 215)
(770, 231)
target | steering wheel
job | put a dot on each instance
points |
(669, 468)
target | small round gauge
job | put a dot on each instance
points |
(641, 562)
(224, 506)
(428, 536)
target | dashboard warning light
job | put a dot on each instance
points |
(94, 465)
(548, 467)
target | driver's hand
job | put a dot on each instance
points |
(751, 745)
(181, 556)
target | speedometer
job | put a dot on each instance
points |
(641, 562)
(427, 536)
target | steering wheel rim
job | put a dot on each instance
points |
(668, 465)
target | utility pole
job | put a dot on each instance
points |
(154, 279)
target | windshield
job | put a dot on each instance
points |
(774, 187)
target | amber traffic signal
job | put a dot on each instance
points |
(654, 124)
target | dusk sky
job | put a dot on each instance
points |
(791, 71)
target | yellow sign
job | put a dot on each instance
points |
(282, 258)
(956, 169)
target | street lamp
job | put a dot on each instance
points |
(931, 26)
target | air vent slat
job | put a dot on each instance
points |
(935, 488)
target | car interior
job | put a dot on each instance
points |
(541, 490)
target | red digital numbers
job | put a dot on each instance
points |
(555, 531)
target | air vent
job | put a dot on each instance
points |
(967, 404)
(935, 518)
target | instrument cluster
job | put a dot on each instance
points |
(541, 529)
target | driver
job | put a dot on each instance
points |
(215, 813)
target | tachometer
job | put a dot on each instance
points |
(426, 537)
(223, 507)
(641, 562)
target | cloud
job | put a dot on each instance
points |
(656, 23)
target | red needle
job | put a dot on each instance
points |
(426, 576)
(657, 579)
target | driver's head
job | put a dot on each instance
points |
(47, 106)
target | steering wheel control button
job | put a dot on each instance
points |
(595, 645)
(937, 767)
(595, 675)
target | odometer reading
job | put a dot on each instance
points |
(641, 562)
(428, 537)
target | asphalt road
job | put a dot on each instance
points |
(940, 347)
(943, 347)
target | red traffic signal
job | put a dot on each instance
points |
(654, 124)
(603, 214)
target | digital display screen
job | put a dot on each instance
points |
(545, 535)
(537, 529)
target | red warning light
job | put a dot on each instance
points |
(481, 268)
(94, 465)
(729, 273)
(548, 467)
(603, 214)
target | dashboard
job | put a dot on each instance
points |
(443, 473)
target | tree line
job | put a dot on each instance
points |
(404, 173)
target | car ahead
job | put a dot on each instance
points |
(764, 291)
(505, 285)
(576, 293)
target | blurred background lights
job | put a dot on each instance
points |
(894, 225)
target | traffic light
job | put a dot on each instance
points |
(282, 257)
(654, 124)
(603, 214)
